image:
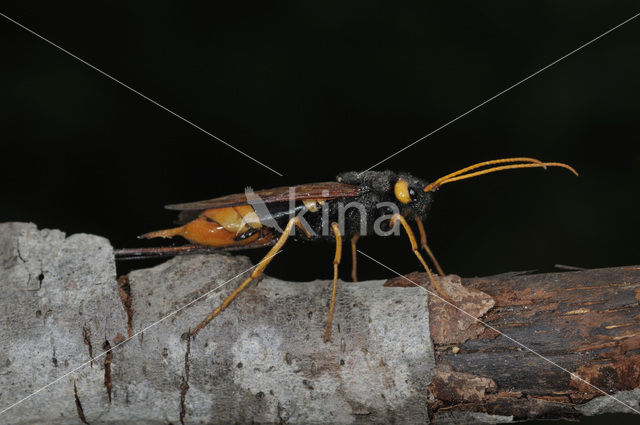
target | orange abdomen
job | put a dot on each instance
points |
(217, 227)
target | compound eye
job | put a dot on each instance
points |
(401, 190)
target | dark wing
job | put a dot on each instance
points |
(325, 190)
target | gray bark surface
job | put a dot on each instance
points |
(263, 360)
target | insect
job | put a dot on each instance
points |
(371, 202)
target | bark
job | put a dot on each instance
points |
(397, 354)
(586, 322)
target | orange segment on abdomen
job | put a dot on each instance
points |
(234, 219)
(204, 231)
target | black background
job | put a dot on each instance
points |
(315, 89)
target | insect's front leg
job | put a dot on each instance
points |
(423, 243)
(414, 248)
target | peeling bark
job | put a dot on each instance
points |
(398, 355)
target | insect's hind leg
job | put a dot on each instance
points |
(257, 271)
(423, 243)
(336, 262)
(414, 248)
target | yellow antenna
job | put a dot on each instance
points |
(528, 163)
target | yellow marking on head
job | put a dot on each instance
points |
(401, 190)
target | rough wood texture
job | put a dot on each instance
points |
(587, 322)
(263, 359)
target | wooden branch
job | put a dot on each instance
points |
(585, 322)
(397, 355)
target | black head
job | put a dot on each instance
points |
(409, 193)
(403, 189)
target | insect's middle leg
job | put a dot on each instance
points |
(354, 258)
(423, 242)
(414, 248)
(257, 271)
(336, 262)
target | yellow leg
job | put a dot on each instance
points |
(423, 242)
(414, 248)
(336, 261)
(354, 258)
(257, 271)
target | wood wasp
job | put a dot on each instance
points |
(380, 201)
